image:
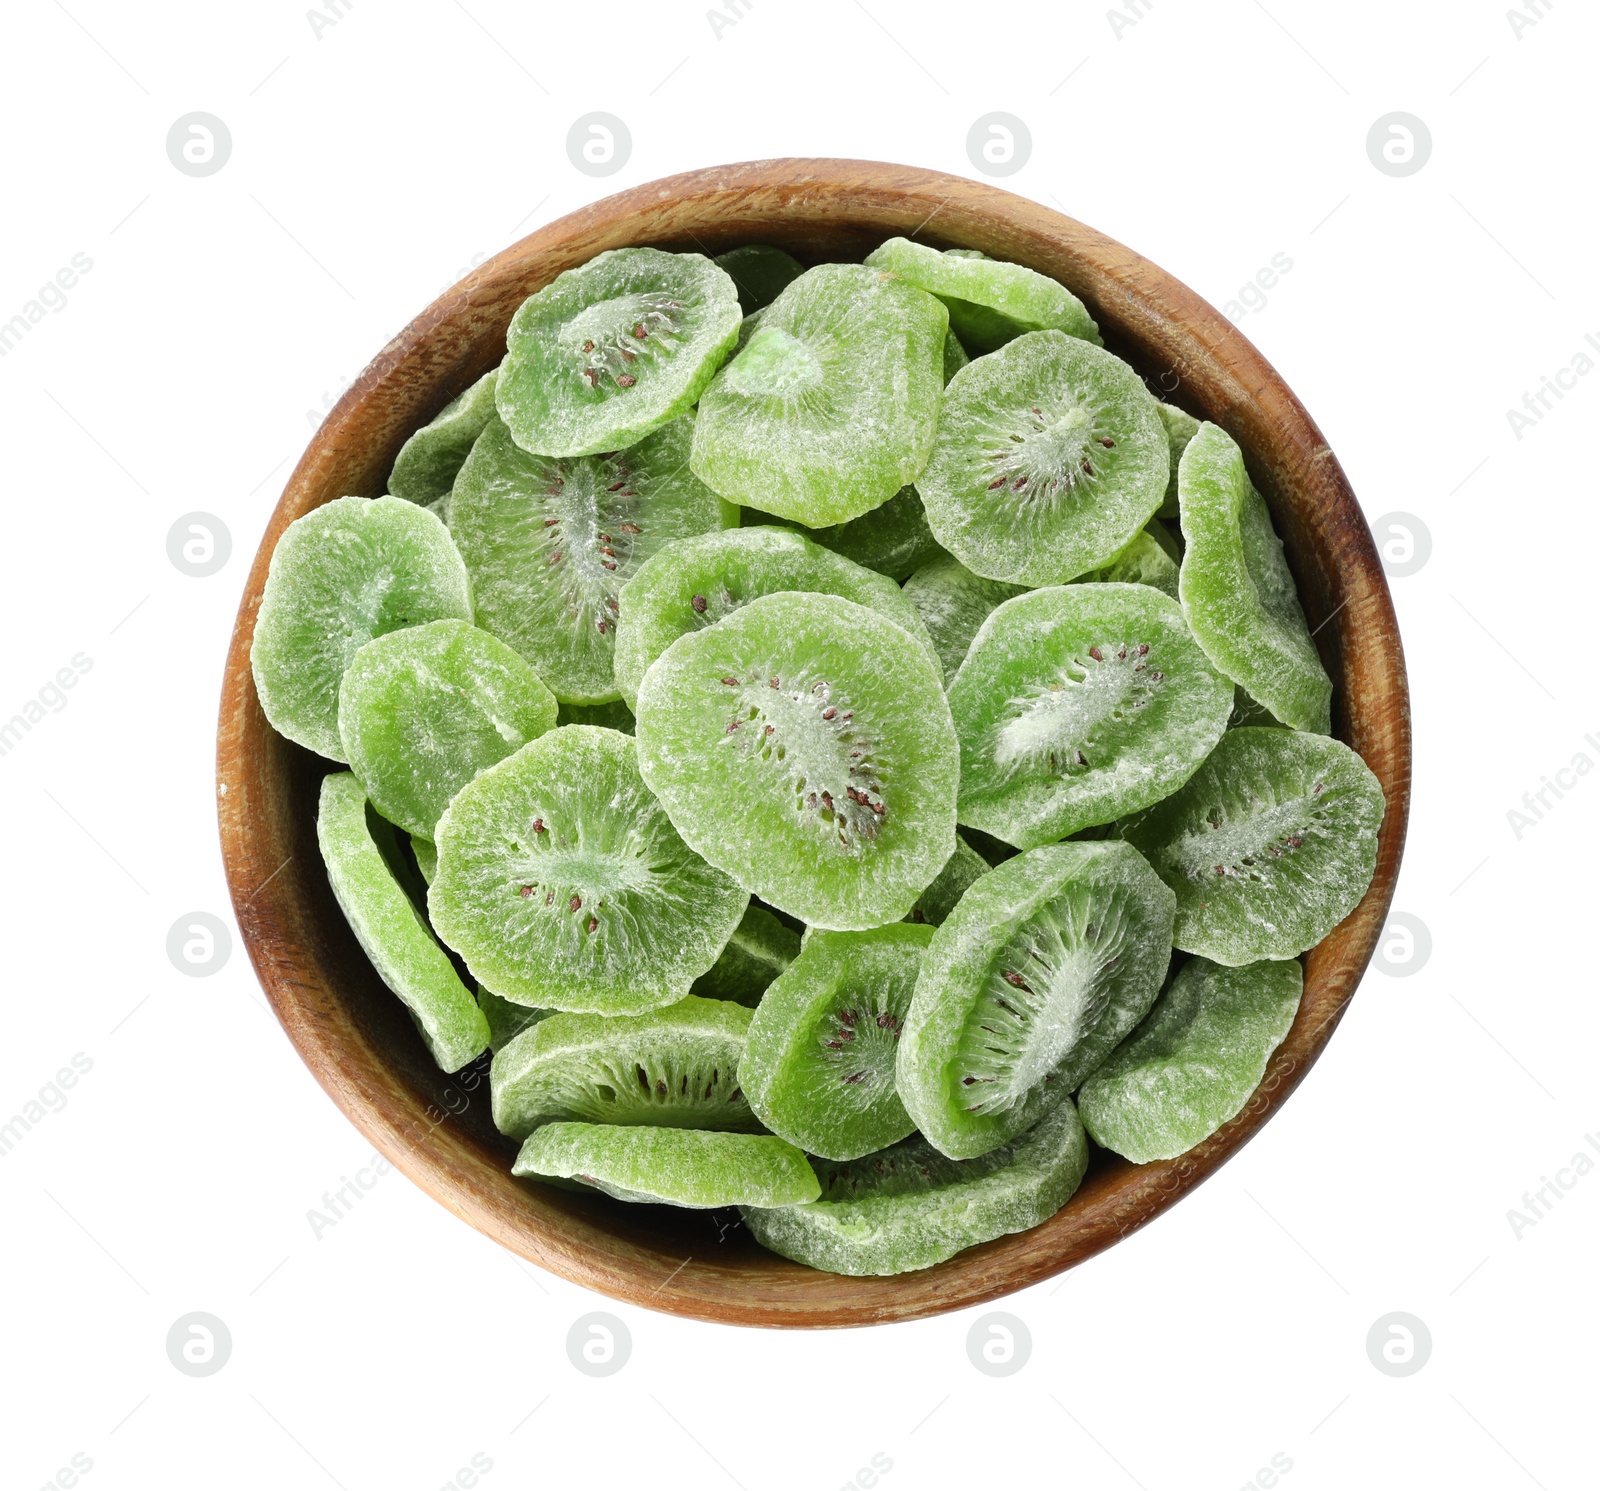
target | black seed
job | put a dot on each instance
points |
(699, 604)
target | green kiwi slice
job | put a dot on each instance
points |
(614, 349)
(963, 867)
(953, 603)
(1046, 964)
(424, 710)
(759, 273)
(507, 1019)
(550, 544)
(1237, 590)
(990, 301)
(693, 584)
(955, 356)
(562, 883)
(909, 1207)
(1193, 1062)
(1145, 561)
(819, 1063)
(893, 539)
(1079, 704)
(1050, 457)
(1268, 846)
(759, 950)
(340, 576)
(426, 856)
(428, 462)
(390, 929)
(1181, 429)
(676, 1066)
(804, 746)
(844, 350)
(679, 1167)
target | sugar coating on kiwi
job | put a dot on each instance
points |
(1236, 587)
(678, 1167)
(391, 931)
(426, 467)
(1268, 846)
(830, 408)
(759, 950)
(819, 1064)
(424, 710)
(1078, 704)
(676, 1066)
(1050, 457)
(562, 882)
(550, 543)
(910, 1207)
(1047, 962)
(692, 584)
(1194, 1060)
(350, 571)
(990, 301)
(614, 349)
(953, 603)
(804, 746)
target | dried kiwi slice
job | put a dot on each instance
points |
(990, 301)
(676, 1066)
(693, 584)
(893, 539)
(910, 1207)
(963, 867)
(1181, 429)
(507, 1019)
(680, 1167)
(759, 950)
(550, 544)
(428, 462)
(1237, 590)
(819, 1063)
(1145, 561)
(391, 931)
(830, 408)
(1046, 964)
(803, 744)
(614, 349)
(1050, 457)
(955, 356)
(350, 571)
(953, 603)
(759, 273)
(562, 883)
(1079, 704)
(1194, 1060)
(1269, 846)
(424, 710)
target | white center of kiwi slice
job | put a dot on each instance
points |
(774, 364)
(1047, 453)
(611, 341)
(859, 1043)
(588, 519)
(805, 732)
(1058, 728)
(1238, 845)
(1047, 990)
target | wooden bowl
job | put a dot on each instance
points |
(353, 1033)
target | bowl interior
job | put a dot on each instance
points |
(357, 1038)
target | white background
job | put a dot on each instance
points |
(374, 160)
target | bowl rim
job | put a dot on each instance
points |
(1147, 315)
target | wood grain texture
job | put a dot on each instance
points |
(354, 1035)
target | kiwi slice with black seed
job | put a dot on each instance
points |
(1047, 962)
(676, 1066)
(612, 350)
